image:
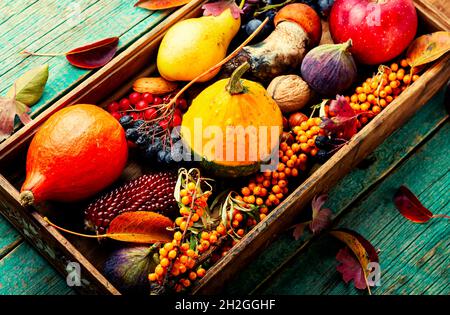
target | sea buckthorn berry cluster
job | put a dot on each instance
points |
(178, 258)
(380, 90)
(305, 136)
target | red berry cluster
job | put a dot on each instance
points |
(149, 107)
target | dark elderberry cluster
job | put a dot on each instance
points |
(155, 143)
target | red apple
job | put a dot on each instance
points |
(380, 29)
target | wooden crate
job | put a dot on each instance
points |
(116, 76)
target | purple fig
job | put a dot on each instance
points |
(128, 268)
(329, 69)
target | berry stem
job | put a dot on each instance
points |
(30, 53)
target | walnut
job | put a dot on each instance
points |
(290, 92)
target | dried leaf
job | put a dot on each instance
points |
(361, 248)
(216, 8)
(29, 87)
(428, 48)
(350, 268)
(155, 85)
(140, 227)
(344, 122)
(160, 4)
(93, 55)
(321, 218)
(410, 207)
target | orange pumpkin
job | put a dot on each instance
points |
(77, 152)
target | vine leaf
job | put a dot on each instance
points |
(143, 227)
(90, 56)
(216, 8)
(363, 251)
(160, 4)
(427, 48)
(411, 208)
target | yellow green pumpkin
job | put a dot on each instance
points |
(232, 126)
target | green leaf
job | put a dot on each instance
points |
(29, 87)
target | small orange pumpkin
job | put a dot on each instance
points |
(77, 152)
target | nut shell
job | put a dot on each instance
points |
(290, 92)
(155, 85)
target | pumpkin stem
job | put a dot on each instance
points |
(26, 198)
(234, 85)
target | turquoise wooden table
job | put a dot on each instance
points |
(414, 258)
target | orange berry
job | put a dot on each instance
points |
(282, 183)
(205, 235)
(365, 106)
(355, 106)
(389, 99)
(276, 189)
(383, 103)
(186, 200)
(262, 216)
(311, 142)
(240, 232)
(404, 63)
(159, 270)
(162, 252)
(178, 221)
(183, 226)
(393, 84)
(192, 275)
(239, 217)
(190, 253)
(168, 246)
(182, 268)
(394, 67)
(305, 147)
(294, 172)
(280, 167)
(178, 235)
(245, 191)
(152, 277)
(251, 199)
(376, 110)
(185, 247)
(304, 126)
(313, 152)
(383, 94)
(392, 76)
(354, 98)
(415, 78)
(201, 272)
(164, 262)
(359, 90)
(212, 239)
(400, 74)
(407, 79)
(195, 217)
(235, 223)
(172, 254)
(362, 97)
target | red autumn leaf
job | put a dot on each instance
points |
(350, 268)
(362, 249)
(93, 55)
(140, 227)
(9, 108)
(216, 8)
(160, 4)
(411, 208)
(321, 218)
(344, 122)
